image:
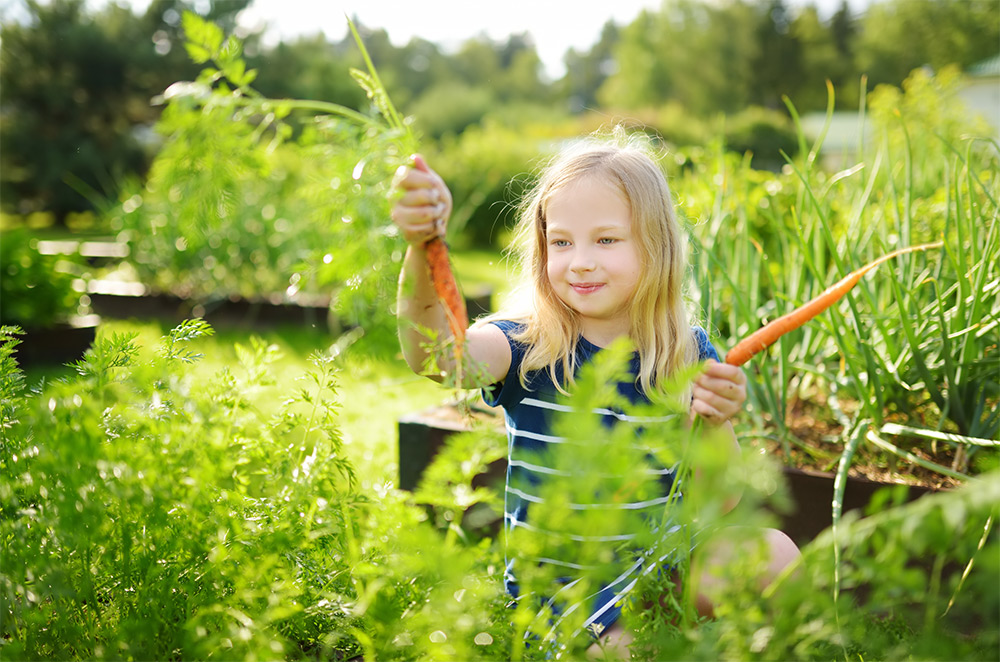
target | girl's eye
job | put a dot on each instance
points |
(559, 243)
(606, 240)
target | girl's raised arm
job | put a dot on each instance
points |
(422, 206)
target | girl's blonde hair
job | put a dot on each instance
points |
(659, 320)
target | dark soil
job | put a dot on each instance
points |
(816, 443)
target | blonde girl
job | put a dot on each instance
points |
(603, 258)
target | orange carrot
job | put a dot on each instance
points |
(447, 290)
(444, 283)
(769, 333)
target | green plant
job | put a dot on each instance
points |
(237, 203)
(918, 349)
(149, 512)
(34, 291)
(153, 511)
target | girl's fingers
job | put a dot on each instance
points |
(412, 177)
(724, 371)
(708, 413)
(405, 215)
(709, 402)
(407, 179)
(718, 398)
(422, 201)
(722, 390)
(420, 197)
(417, 224)
(724, 380)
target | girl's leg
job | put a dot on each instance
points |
(730, 544)
(708, 566)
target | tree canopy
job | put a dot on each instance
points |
(77, 83)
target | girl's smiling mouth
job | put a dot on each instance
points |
(586, 288)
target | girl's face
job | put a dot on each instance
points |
(593, 262)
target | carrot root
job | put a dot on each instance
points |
(447, 291)
(767, 335)
(445, 285)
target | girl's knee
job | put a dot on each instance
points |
(783, 551)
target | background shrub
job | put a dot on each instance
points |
(34, 292)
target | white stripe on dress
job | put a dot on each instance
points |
(565, 564)
(537, 468)
(515, 523)
(621, 594)
(547, 438)
(542, 404)
(632, 505)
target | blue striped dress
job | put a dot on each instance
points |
(528, 412)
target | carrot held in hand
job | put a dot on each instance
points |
(444, 282)
(769, 333)
(447, 289)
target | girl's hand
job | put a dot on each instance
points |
(719, 392)
(422, 202)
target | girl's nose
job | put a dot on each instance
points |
(582, 261)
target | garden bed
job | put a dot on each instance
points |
(818, 444)
(122, 300)
(57, 344)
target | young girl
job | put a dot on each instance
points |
(603, 257)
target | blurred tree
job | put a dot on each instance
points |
(693, 52)
(822, 60)
(422, 65)
(521, 78)
(76, 87)
(843, 28)
(898, 36)
(642, 75)
(62, 80)
(477, 62)
(483, 76)
(778, 66)
(844, 31)
(450, 107)
(723, 61)
(587, 71)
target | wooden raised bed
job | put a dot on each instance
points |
(422, 434)
(119, 300)
(122, 300)
(58, 344)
